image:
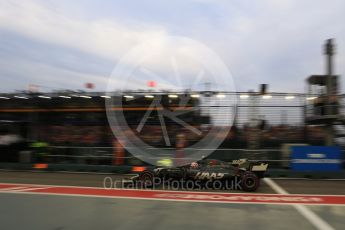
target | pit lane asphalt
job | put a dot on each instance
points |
(43, 212)
(27, 211)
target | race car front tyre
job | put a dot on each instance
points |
(146, 178)
(250, 182)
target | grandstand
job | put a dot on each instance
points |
(72, 121)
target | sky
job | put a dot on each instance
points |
(62, 44)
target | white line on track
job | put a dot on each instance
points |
(31, 189)
(313, 218)
(135, 189)
(309, 179)
(13, 188)
(161, 190)
(23, 189)
(142, 198)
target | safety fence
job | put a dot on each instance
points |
(107, 156)
(278, 118)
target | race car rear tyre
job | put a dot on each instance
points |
(250, 182)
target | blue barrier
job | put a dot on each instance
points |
(316, 158)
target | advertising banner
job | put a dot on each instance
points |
(316, 158)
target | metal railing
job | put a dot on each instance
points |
(106, 156)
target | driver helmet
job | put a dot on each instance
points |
(194, 165)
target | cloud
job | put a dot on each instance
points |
(279, 42)
(101, 37)
(275, 42)
(48, 77)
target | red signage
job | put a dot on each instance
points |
(188, 196)
(151, 84)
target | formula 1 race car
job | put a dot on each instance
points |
(207, 173)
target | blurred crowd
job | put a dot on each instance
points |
(271, 137)
(75, 135)
(71, 143)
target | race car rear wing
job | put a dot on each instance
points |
(261, 167)
(250, 166)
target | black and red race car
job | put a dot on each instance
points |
(238, 174)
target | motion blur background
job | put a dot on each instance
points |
(56, 58)
(285, 60)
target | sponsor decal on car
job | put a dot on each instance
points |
(208, 175)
